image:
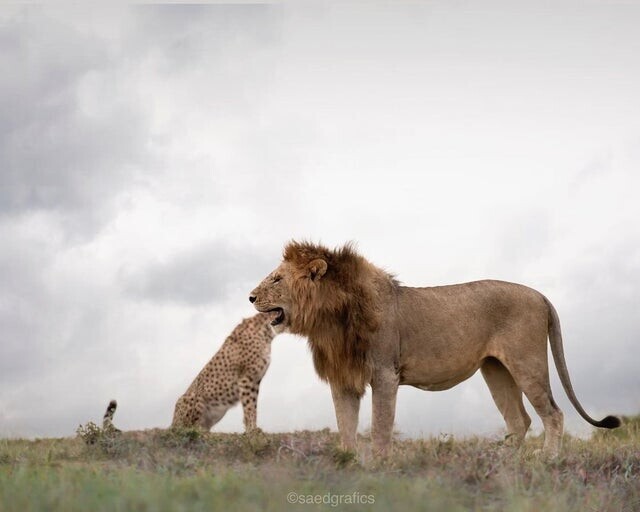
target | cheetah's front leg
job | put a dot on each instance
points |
(248, 390)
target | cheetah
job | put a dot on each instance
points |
(233, 374)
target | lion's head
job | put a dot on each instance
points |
(330, 296)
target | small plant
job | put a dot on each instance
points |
(256, 442)
(89, 433)
(107, 439)
(445, 444)
(182, 437)
(343, 458)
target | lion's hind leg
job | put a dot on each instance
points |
(532, 378)
(508, 397)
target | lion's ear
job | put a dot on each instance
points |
(317, 269)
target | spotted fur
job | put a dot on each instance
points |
(107, 419)
(232, 375)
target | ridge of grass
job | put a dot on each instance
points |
(191, 470)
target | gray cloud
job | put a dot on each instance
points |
(57, 151)
(57, 331)
(197, 34)
(206, 274)
(602, 327)
(153, 161)
(23, 294)
(75, 115)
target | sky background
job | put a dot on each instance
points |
(155, 159)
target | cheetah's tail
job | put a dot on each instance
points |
(107, 419)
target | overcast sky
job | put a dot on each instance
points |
(155, 159)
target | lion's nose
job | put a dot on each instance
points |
(252, 298)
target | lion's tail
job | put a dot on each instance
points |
(555, 340)
(107, 419)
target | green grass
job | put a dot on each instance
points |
(162, 470)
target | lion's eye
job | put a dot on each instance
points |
(276, 279)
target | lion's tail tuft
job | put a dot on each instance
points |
(609, 422)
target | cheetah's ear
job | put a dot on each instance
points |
(317, 269)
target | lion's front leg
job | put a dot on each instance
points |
(347, 406)
(384, 387)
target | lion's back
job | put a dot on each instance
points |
(487, 301)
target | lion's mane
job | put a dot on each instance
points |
(339, 312)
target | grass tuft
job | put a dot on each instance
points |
(344, 458)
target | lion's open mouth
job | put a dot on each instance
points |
(278, 316)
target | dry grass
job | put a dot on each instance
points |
(188, 470)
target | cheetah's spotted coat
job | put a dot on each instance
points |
(233, 374)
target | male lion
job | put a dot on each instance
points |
(364, 328)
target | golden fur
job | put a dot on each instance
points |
(366, 329)
(345, 293)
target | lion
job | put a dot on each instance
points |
(365, 328)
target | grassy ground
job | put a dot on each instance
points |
(160, 470)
